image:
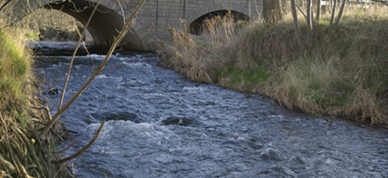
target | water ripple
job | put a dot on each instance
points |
(228, 134)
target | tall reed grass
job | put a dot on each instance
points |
(343, 74)
(198, 57)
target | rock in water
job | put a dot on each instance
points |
(124, 116)
(180, 121)
(53, 91)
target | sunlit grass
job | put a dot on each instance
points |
(15, 72)
(343, 74)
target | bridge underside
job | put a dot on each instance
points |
(197, 26)
(153, 19)
(104, 26)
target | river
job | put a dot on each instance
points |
(159, 124)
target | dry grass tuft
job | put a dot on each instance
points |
(22, 152)
(196, 57)
(343, 74)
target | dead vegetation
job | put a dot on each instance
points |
(23, 153)
(342, 74)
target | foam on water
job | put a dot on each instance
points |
(235, 135)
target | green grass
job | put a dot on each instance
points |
(344, 72)
(15, 74)
(250, 77)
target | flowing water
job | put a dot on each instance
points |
(161, 125)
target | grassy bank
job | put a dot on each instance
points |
(23, 153)
(343, 74)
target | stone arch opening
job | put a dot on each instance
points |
(104, 26)
(51, 25)
(197, 27)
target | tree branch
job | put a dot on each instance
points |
(84, 148)
(6, 3)
(75, 52)
(340, 13)
(296, 25)
(116, 42)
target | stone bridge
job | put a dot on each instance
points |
(152, 20)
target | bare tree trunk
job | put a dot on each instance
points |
(309, 19)
(340, 13)
(331, 4)
(296, 25)
(272, 11)
(333, 14)
(318, 15)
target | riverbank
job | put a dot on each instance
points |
(23, 151)
(343, 74)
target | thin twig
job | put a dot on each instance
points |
(84, 148)
(301, 11)
(98, 70)
(1, 8)
(60, 168)
(122, 10)
(75, 52)
(9, 146)
(48, 156)
(86, 49)
(7, 165)
(45, 108)
(56, 152)
(87, 52)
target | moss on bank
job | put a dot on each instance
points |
(23, 152)
(343, 74)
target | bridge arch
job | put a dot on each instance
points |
(154, 17)
(104, 26)
(196, 17)
(198, 26)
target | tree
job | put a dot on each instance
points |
(296, 24)
(318, 15)
(333, 14)
(340, 13)
(272, 11)
(310, 19)
(309, 16)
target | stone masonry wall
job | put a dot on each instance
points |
(156, 16)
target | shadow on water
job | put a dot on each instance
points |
(49, 48)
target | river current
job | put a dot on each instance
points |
(159, 124)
